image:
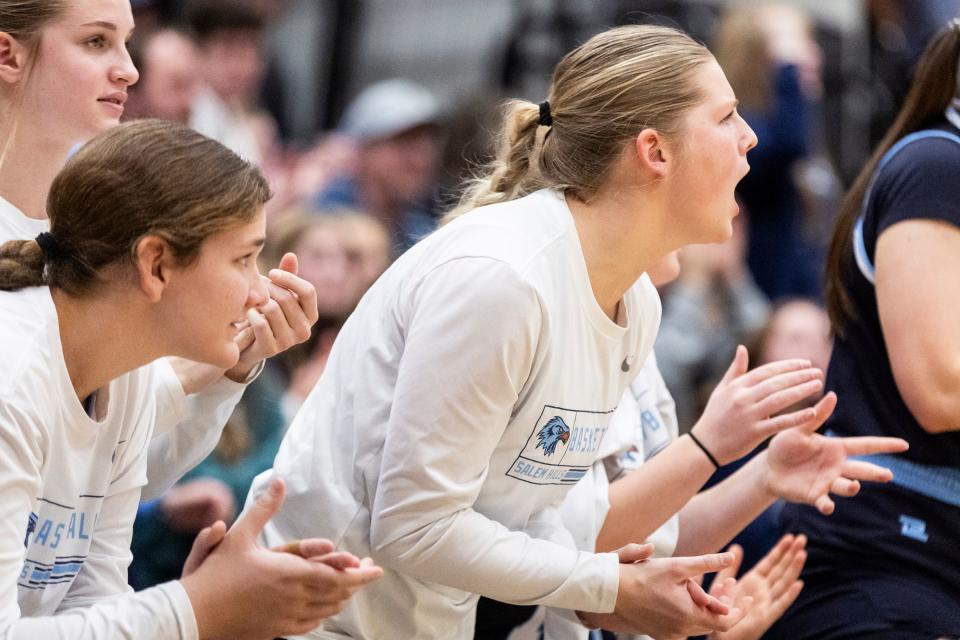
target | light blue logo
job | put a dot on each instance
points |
(555, 431)
(913, 528)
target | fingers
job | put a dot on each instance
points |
(289, 263)
(844, 487)
(341, 560)
(267, 504)
(703, 599)
(785, 574)
(823, 410)
(774, 556)
(776, 395)
(776, 424)
(205, 542)
(781, 603)
(731, 570)
(739, 365)
(296, 323)
(264, 339)
(338, 583)
(307, 548)
(865, 445)
(305, 292)
(696, 566)
(710, 619)
(860, 470)
(824, 505)
(634, 553)
(281, 331)
(244, 337)
(724, 589)
(771, 369)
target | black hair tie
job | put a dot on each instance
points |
(696, 441)
(52, 251)
(546, 120)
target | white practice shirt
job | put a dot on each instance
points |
(188, 428)
(71, 485)
(643, 425)
(466, 395)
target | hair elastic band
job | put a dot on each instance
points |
(546, 120)
(716, 464)
(49, 246)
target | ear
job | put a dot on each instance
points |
(13, 59)
(154, 261)
(651, 152)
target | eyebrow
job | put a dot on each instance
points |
(101, 23)
(259, 242)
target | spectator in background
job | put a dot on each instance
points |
(167, 61)
(712, 307)
(774, 66)
(367, 245)
(343, 252)
(395, 124)
(231, 67)
(797, 328)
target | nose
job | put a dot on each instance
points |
(258, 293)
(749, 138)
(125, 71)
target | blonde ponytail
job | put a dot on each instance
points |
(603, 94)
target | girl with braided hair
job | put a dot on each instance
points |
(151, 252)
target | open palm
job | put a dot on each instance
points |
(804, 466)
(773, 584)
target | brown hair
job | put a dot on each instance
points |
(603, 93)
(147, 177)
(933, 88)
(23, 19)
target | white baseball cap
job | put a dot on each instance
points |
(387, 108)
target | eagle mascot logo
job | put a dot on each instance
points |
(553, 432)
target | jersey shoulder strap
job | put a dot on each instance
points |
(864, 263)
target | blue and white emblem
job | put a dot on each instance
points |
(556, 430)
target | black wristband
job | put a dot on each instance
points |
(704, 449)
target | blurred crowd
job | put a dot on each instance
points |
(351, 199)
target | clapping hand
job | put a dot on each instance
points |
(773, 584)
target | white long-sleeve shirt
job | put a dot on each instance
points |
(188, 427)
(644, 423)
(461, 401)
(70, 484)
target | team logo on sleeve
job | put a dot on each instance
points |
(561, 447)
(31, 527)
(554, 432)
